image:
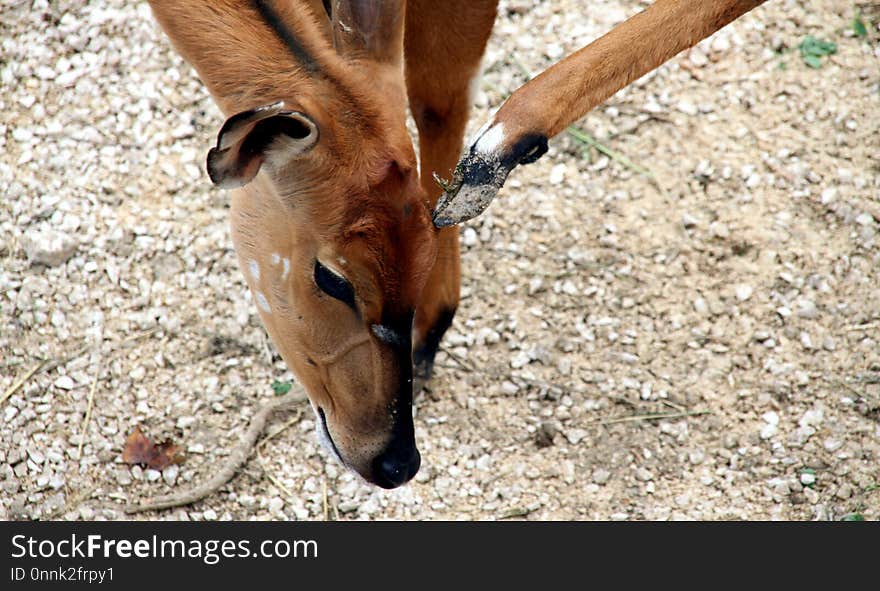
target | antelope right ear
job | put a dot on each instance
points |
(250, 138)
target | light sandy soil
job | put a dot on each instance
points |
(738, 295)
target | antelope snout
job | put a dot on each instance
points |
(386, 458)
(397, 464)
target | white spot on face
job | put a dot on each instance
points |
(386, 335)
(342, 261)
(262, 302)
(491, 139)
(254, 268)
(286, 264)
(276, 258)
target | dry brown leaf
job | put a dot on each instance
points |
(139, 449)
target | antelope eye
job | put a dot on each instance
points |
(334, 285)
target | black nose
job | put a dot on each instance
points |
(397, 464)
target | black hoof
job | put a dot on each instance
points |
(424, 353)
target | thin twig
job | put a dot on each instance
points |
(296, 418)
(650, 417)
(673, 405)
(868, 378)
(463, 363)
(287, 492)
(633, 128)
(236, 459)
(516, 512)
(852, 389)
(141, 334)
(453, 366)
(51, 364)
(20, 381)
(585, 138)
(85, 424)
(622, 400)
(47, 365)
(858, 327)
(70, 504)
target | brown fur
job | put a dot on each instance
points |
(575, 85)
(353, 199)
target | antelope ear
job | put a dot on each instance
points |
(250, 138)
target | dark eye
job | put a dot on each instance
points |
(334, 285)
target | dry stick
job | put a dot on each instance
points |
(858, 327)
(673, 405)
(235, 460)
(48, 365)
(462, 363)
(20, 381)
(287, 492)
(585, 138)
(261, 460)
(851, 389)
(72, 503)
(51, 364)
(297, 417)
(515, 512)
(85, 423)
(650, 417)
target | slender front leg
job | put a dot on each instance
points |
(564, 93)
(444, 45)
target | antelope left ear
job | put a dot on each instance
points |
(250, 138)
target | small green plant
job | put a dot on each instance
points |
(813, 50)
(853, 517)
(281, 388)
(858, 26)
(808, 477)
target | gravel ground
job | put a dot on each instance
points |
(736, 294)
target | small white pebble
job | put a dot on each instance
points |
(768, 431)
(64, 383)
(744, 292)
(557, 174)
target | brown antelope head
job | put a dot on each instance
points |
(332, 228)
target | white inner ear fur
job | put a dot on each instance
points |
(284, 147)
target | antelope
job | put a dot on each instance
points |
(347, 243)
